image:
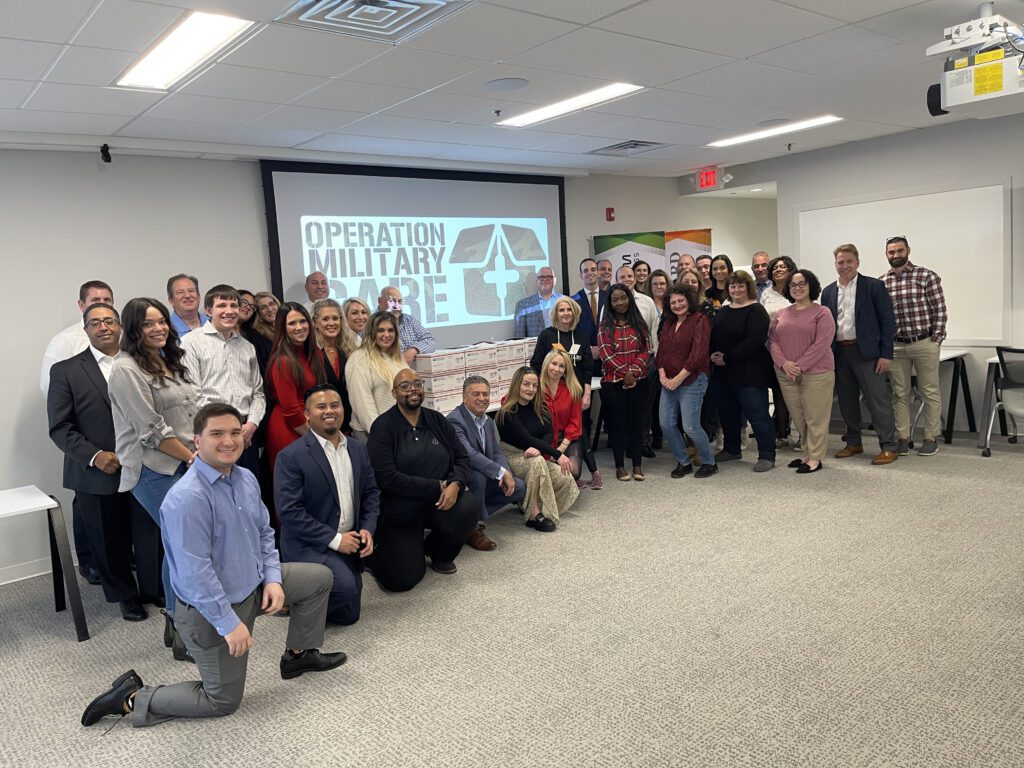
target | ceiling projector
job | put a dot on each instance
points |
(983, 74)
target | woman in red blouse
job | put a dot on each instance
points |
(295, 365)
(625, 346)
(563, 396)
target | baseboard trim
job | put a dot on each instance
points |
(27, 570)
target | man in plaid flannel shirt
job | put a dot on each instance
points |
(920, 308)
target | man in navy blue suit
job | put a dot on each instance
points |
(328, 501)
(592, 300)
(865, 330)
(490, 479)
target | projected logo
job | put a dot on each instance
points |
(497, 261)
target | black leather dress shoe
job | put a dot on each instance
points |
(541, 523)
(178, 649)
(168, 629)
(310, 661)
(442, 567)
(795, 464)
(114, 701)
(649, 453)
(132, 610)
(91, 575)
(682, 470)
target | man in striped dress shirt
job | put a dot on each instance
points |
(920, 308)
(223, 364)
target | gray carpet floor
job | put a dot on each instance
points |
(866, 616)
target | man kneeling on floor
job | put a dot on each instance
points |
(225, 571)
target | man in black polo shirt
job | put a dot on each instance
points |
(422, 471)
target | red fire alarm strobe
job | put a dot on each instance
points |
(609, 214)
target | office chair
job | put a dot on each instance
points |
(1009, 392)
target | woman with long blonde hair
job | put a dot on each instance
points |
(356, 314)
(370, 372)
(524, 425)
(563, 396)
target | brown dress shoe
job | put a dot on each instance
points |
(848, 451)
(885, 457)
(479, 540)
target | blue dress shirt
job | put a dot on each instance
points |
(182, 327)
(218, 541)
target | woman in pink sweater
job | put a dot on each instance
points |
(800, 340)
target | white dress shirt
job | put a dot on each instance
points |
(846, 307)
(65, 344)
(341, 467)
(106, 364)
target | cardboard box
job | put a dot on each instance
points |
(480, 355)
(510, 351)
(442, 361)
(443, 403)
(507, 370)
(442, 383)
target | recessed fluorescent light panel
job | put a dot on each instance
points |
(190, 44)
(576, 103)
(802, 125)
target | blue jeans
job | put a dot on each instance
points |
(752, 402)
(685, 401)
(150, 492)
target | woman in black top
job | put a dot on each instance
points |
(525, 430)
(564, 333)
(741, 368)
(721, 269)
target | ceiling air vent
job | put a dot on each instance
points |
(628, 148)
(389, 21)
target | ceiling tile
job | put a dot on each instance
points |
(59, 122)
(492, 135)
(25, 60)
(847, 11)
(545, 86)
(389, 127)
(700, 110)
(881, 62)
(568, 10)
(304, 51)
(665, 20)
(13, 92)
(752, 83)
(358, 97)
(307, 118)
(364, 145)
(760, 32)
(436, 105)
(39, 21)
(125, 25)
(923, 22)
(89, 99)
(488, 32)
(205, 109)
(577, 144)
(89, 66)
(808, 55)
(188, 130)
(413, 68)
(586, 52)
(658, 130)
(479, 154)
(227, 81)
(256, 10)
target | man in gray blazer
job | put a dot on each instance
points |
(491, 480)
(81, 425)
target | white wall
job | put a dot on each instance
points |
(67, 218)
(739, 227)
(960, 155)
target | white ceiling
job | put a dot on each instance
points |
(713, 68)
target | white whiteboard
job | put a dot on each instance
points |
(959, 234)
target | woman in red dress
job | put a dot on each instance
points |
(563, 396)
(295, 365)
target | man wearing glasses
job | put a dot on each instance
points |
(533, 312)
(920, 308)
(183, 296)
(422, 470)
(81, 425)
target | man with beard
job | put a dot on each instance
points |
(920, 308)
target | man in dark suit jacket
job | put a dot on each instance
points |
(589, 297)
(81, 425)
(328, 501)
(863, 350)
(490, 479)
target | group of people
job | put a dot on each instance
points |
(177, 425)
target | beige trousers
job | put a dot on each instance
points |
(544, 483)
(809, 400)
(923, 357)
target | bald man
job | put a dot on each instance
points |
(316, 288)
(414, 338)
(533, 312)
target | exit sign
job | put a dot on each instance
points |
(708, 178)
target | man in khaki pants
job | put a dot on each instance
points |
(920, 328)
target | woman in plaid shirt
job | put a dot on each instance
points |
(624, 342)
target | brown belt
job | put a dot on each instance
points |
(848, 342)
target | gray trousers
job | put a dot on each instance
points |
(856, 377)
(306, 588)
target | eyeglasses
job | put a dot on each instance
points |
(795, 284)
(110, 322)
(408, 386)
(545, 277)
(246, 305)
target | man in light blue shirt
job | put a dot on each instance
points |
(225, 571)
(183, 296)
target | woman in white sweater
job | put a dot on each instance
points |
(370, 372)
